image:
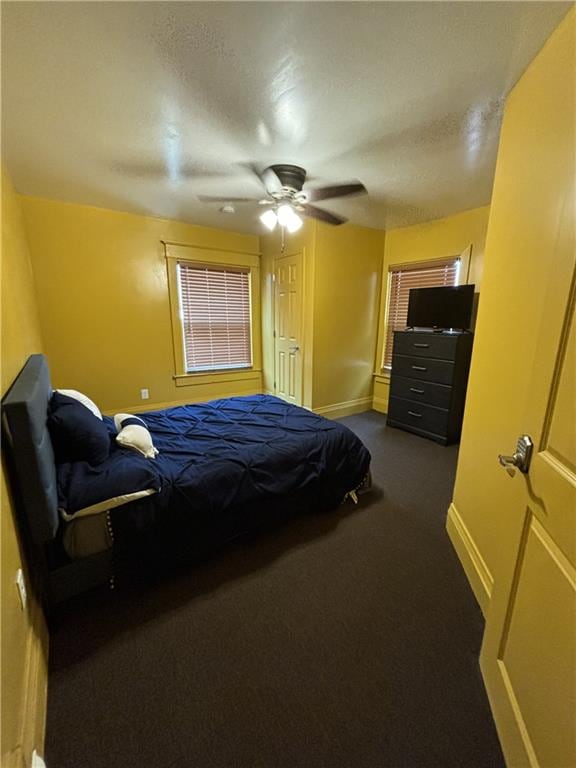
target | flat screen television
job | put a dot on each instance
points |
(448, 307)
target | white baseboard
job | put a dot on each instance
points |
(473, 563)
(347, 408)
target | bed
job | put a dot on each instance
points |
(223, 469)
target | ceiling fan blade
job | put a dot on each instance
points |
(321, 215)
(335, 190)
(219, 199)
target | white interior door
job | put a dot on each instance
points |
(288, 285)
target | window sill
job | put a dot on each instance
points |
(382, 377)
(210, 377)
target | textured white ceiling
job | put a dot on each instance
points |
(141, 106)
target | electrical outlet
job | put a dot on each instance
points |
(21, 584)
(144, 394)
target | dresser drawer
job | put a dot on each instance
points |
(421, 391)
(418, 416)
(438, 371)
(442, 347)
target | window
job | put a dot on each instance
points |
(401, 280)
(214, 303)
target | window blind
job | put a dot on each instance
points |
(402, 280)
(215, 316)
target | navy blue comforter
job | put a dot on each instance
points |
(225, 461)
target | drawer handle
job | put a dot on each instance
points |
(418, 391)
(419, 368)
(413, 413)
(421, 346)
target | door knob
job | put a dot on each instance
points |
(294, 349)
(521, 457)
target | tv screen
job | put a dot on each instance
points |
(448, 307)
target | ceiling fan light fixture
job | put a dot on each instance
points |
(287, 217)
(284, 214)
(286, 201)
(294, 224)
(269, 219)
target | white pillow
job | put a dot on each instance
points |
(82, 399)
(134, 435)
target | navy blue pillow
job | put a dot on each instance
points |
(76, 433)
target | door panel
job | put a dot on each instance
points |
(281, 372)
(281, 313)
(292, 376)
(536, 658)
(522, 382)
(553, 474)
(293, 324)
(288, 327)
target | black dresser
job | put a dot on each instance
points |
(428, 383)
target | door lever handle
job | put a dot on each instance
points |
(510, 462)
(521, 457)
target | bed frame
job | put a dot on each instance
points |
(31, 470)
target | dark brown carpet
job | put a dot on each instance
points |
(347, 640)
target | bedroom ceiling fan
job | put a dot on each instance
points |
(286, 201)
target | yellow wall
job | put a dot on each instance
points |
(346, 302)
(531, 203)
(432, 240)
(104, 305)
(24, 637)
(341, 294)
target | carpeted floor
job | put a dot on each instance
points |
(347, 640)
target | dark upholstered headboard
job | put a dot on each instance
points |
(24, 414)
(29, 459)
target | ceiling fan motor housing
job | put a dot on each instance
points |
(291, 176)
